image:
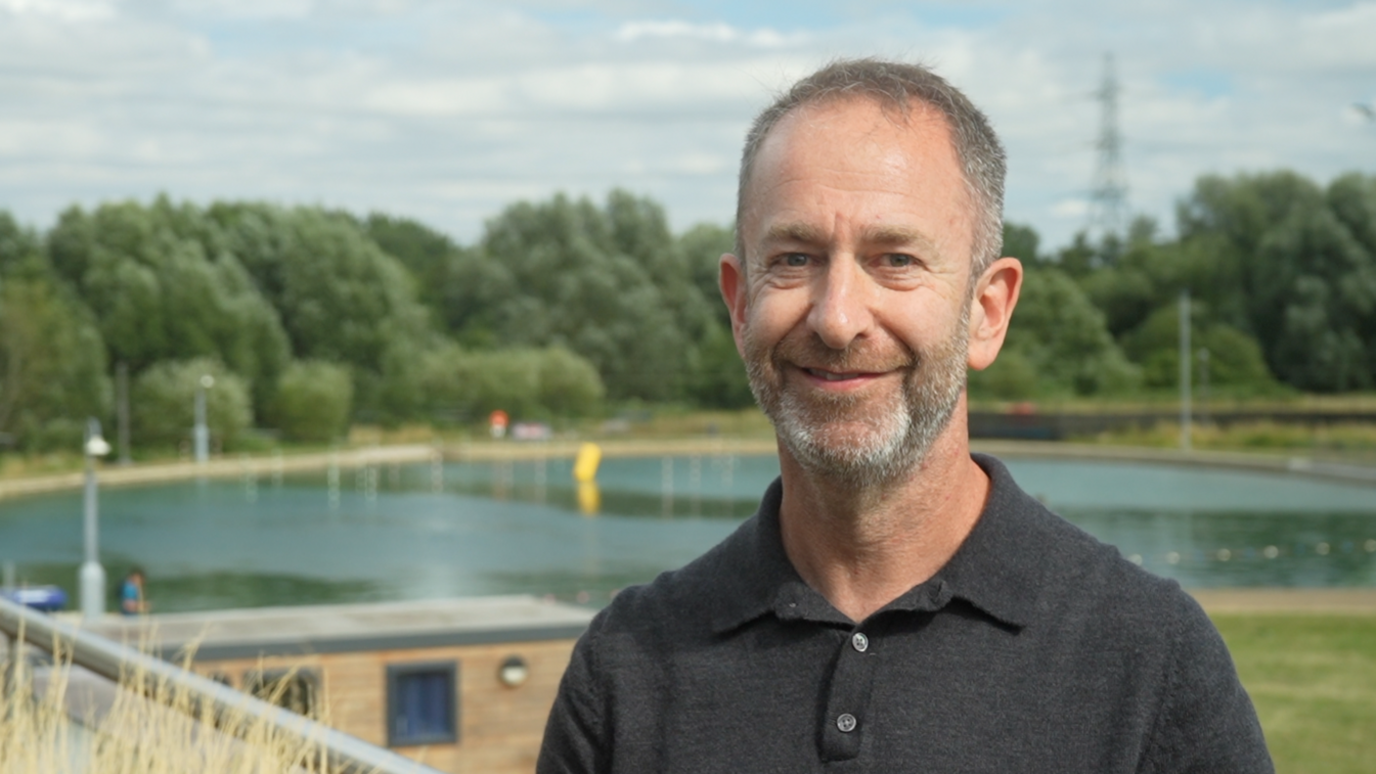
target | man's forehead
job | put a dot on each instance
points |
(833, 129)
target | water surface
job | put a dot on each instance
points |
(408, 532)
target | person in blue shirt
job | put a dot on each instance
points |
(131, 599)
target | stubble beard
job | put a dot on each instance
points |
(837, 435)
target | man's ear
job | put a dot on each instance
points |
(991, 308)
(733, 292)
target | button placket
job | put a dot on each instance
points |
(848, 697)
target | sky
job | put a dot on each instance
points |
(446, 112)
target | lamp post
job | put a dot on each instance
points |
(92, 574)
(1185, 369)
(201, 433)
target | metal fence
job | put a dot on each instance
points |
(343, 753)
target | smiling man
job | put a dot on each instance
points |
(897, 603)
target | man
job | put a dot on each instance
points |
(895, 604)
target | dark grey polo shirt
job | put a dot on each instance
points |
(1036, 649)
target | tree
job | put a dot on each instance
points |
(720, 380)
(340, 297)
(163, 401)
(425, 252)
(1021, 242)
(52, 365)
(527, 383)
(1301, 267)
(702, 247)
(607, 284)
(1235, 362)
(162, 286)
(313, 401)
(1057, 344)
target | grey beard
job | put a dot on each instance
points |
(905, 432)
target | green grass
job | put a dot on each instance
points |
(1313, 680)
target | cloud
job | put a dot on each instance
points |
(449, 111)
(717, 32)
(61, 10)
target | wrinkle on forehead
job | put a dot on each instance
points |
(914, 116)
(917, 117)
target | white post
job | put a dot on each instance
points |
(92, 574)
(1185, 357)
(201, 433)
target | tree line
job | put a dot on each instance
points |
(1281, 272)
(309, 319)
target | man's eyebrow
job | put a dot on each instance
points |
(794, 232)
(881, 235)
(897, 235)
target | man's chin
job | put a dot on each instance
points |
(844, 449)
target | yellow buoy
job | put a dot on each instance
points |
(589, 498)
(585, 465)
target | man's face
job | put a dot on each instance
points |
(854, 316)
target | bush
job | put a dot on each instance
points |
(526, 383)
(313, 401)
(1235, 362)
(52, 366)
(1057, 345)
(163, 403)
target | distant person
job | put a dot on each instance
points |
(896, 604)
(131, 597)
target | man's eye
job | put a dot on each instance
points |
(899, 260)
(795, 260)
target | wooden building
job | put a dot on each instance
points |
(463, 685)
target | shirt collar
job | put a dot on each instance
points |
(996, 569)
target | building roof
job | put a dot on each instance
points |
(271, 631)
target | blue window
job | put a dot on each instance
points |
(422, 703)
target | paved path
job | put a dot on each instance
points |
(481, 451)
(1277, 600)
(1253, 461)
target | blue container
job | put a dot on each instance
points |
(47, 599)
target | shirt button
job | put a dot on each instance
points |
(860, 642)
(846, 722)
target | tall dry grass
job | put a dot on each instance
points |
(160, 729)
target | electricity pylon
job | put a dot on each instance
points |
(1108, 200)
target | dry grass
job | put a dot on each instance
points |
(1343, 440)
(160, 730)
(14, 465)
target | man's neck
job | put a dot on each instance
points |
(862, 548)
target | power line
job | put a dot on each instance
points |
(1108, 200)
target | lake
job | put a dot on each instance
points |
(461, 529)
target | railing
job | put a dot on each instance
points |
(113, 661)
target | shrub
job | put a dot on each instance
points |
(312, 401)
(163, 403)
(526, 383)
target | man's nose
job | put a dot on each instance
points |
(841, 304)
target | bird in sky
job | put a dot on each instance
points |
(1365, 111)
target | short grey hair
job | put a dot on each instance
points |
(897, 85)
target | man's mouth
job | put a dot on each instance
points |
(832, 376)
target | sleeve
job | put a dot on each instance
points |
(576, 733)
(1207, 722)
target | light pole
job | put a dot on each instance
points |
(201, 433)
(92, 574)
(1185, 369)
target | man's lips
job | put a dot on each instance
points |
(832, 376)
(841, 377)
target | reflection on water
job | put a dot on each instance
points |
(399, 532)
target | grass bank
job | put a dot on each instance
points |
(1313, 680)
